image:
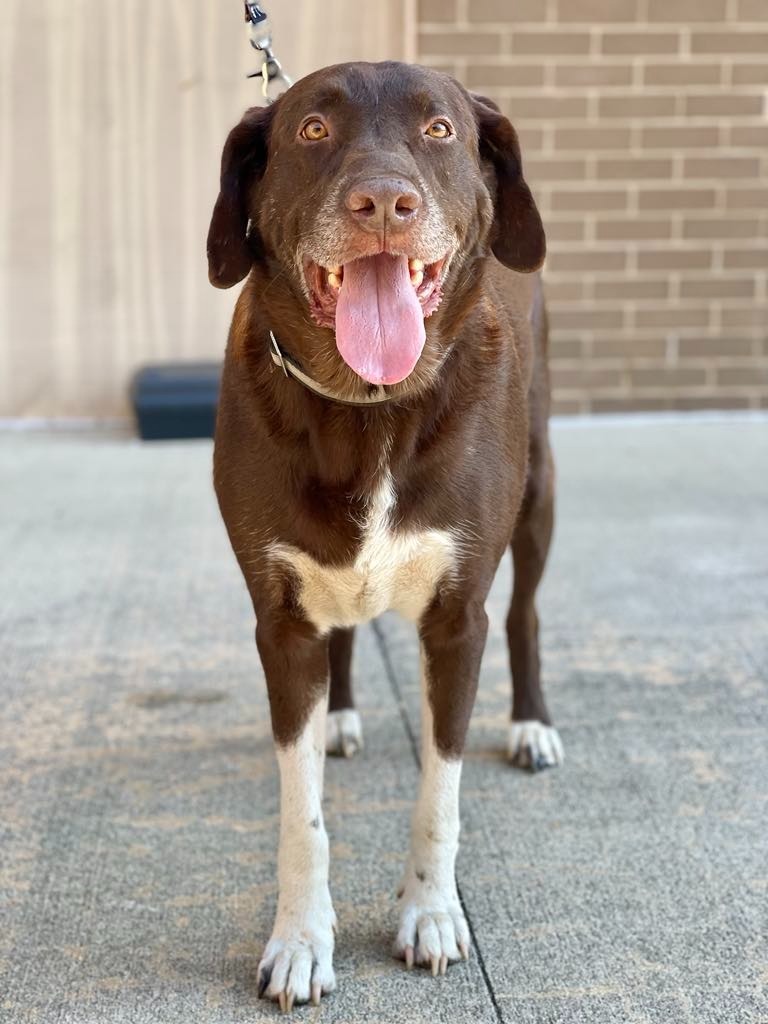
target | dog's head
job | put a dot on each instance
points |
(368, 187)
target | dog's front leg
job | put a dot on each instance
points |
(433, 930)
(297, 964)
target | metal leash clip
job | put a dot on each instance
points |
(260, 35)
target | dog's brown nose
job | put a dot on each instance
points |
(380, 202)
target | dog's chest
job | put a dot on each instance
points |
(393, 570)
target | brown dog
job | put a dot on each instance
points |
(381, 439)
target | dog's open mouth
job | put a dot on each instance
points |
(377, 306)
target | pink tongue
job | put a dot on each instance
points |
(379, 321)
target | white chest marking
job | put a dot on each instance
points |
(398, 571)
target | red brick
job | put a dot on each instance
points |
(581, 378)
(687, 403)
(632, 289)
(697, 348)
(547, 169)
(630, 350)
(694, 136)
(436, 10)
(724, 105)
(504, 11)
(716, 287)
(564, 230)
(753, 10)
(549, 44)
(631, 105)
(578, 319)
(686, 11)
(499, 74)
(575, 75)
(746, 198)
(666, 376)
(640, 42)
(754, 375)
(729, 42)
(632, 229)
(634, 168)
(565, 290)
(459, 43)
(581, 260)
(593, 199)
(751, 74)
(720, 227)
(531, 139)
(524, 106)
(672, 316)
(746, 259)
(683, 73)
(676, 198)
(596, 11)
(721, 166)
(746, 316)
(592, 138)
(674, 259)
(749, 135)
(630, 403)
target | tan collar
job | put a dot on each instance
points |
(377, 393)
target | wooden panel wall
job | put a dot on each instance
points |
(112, 117)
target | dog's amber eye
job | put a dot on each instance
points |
(314, 131)
(439, 130)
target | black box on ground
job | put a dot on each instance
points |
(176, 400)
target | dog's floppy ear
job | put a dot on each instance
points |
(517, 236)
(231, 246)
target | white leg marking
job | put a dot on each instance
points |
(297, 964)
(433, 930)
(343, 733)
(534, 745)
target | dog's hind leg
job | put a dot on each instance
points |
(344, 731)
(534, 743)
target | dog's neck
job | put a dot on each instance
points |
(375, 394)
(344, 443)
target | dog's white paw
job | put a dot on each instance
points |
(297, 964)
(343, 733)
(433, 930)
(534, 746)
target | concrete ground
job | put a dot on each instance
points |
(139, 792)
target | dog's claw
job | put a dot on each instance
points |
(464, 950)
(298, 969)
(264, 979)
(409, 958)
(435, 966)
(443, 963)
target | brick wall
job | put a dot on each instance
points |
(644, 127)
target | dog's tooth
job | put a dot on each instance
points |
(334, 279)
(416, 264)
(417, 277)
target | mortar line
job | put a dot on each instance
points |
(389, 672)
